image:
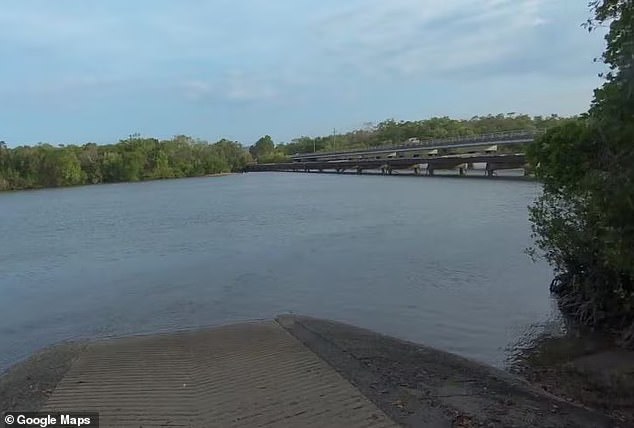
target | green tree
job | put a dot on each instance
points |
(112, 166)
(60, 168)
(133, 159)
(160, 164)
(584, 221)
(392, 131)
(4, 166)
(90, 162)
(263, 147)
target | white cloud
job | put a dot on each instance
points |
(412, 37)
(196, 89)
(241, 87)
(257, 50)
(234, 86)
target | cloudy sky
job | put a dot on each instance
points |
(74, 71)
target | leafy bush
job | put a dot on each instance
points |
(584, 221)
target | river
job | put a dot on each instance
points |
(438, 261)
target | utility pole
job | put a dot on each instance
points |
(334, 139)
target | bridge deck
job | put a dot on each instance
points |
(495, 161)
(500, 138)
(253, 374)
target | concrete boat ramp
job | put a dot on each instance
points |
(290, 372)
(253, 374)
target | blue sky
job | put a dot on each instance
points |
(78, 71)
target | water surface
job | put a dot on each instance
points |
(438, 261)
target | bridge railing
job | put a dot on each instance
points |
(492, 137)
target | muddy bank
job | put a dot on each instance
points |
(27, 385)
(587, 369)
(419, 386)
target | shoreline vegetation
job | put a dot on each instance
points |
(217, 175)
(132, 160)
(583, 223)
(140, 158)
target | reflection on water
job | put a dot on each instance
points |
(530, 342)
(438, 261)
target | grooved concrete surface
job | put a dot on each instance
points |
(245, 375)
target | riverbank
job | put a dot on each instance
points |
(222, 174)
(412, 384)
(421, 386)
(27, 385)
(589, 370)
(148, 180)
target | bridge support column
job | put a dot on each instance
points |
(462, 171)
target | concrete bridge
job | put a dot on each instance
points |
(493, 162)
(497, 151)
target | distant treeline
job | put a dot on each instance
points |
(134, 159)
(392, 132)
(137, 158)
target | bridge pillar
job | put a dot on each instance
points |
(462, 171)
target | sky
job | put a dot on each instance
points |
(76, 71)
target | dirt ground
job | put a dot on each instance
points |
(27, 385)
(418, 386)
(589, 371)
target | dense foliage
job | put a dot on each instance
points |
(133, 159)
(264, 151)
(584, 221)
(392, 132)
